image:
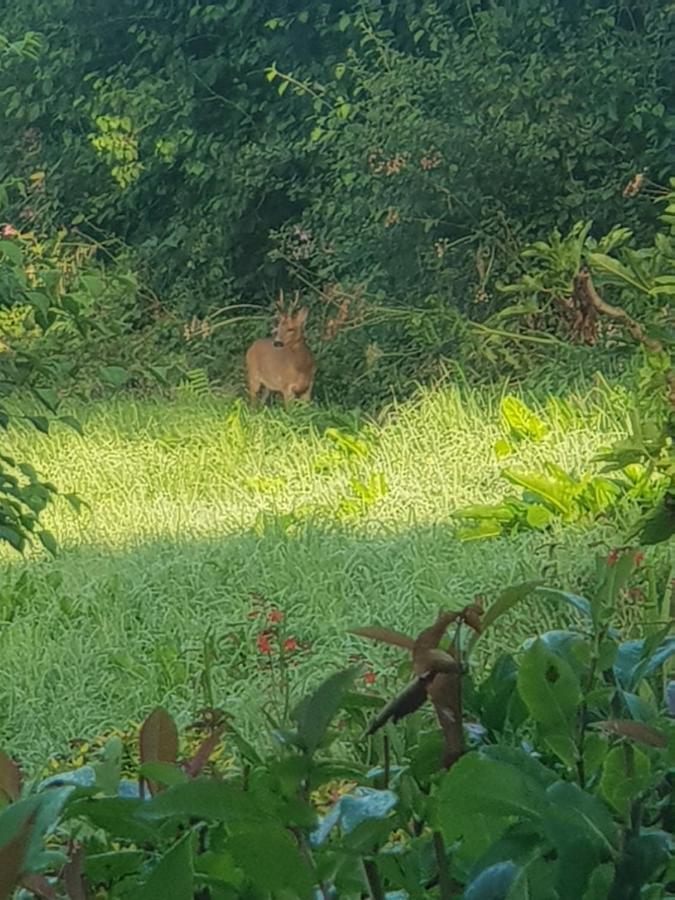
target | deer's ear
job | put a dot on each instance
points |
(301, 315)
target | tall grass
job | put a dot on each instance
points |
(196, 507)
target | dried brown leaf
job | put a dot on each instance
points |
(12, 857)
(635, 731)
(158, 742)
(445, 692)
(431, 637)
(385, 636)
(434, 661)
(39, 886)
(73, 876)
(10, 778)
(194, 766)
(408, 701)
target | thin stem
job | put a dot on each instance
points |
(376, 891)
(444, 882)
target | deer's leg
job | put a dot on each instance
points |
(254, 385)
(306, 396)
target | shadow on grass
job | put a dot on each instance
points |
(96, 638)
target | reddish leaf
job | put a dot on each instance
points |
(434, 661)
(38, 885)
(158, 742)
(11, 860)
(73, 876)
(10, 778)
(445, 692)
(194, 766)
(409, 700)
(385, 636)
(635, 731)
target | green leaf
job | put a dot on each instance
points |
(172, 876)
(48, 398)
(550, 689)
(315, 713)
(164, 773)
(626, 773)
(614, 577)
(550, 490)
(600, 883)
(40, 423)
(493, 883)
(270, 859)
(205, 799)
(503, 448)
(108, 771)
(48, 541)
(520, 420)
(11, 251)
(73, 423)
(538, 516)
(115, 375)
(478, 788)
(505, 602)
(12, 536)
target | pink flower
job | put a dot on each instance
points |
(263, 644)
(370, 678)
(290, 645)
(8, 231)
(275, 616)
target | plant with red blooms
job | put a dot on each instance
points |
(263, 643)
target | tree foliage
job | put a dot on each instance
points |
(387, 158)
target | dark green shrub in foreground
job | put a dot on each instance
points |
(560, 782)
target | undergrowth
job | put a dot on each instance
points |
(197, 511)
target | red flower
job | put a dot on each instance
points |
(263, 643)
(290, 645)
(275, 616)
(613, 557)
(639, 558)
(370, 678)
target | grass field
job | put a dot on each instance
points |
(199, 507)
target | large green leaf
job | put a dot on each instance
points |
(626, 773)
(315, 713)
(204, 798)
(550, 491)
(172, 876)
(477, 788)
(506, 601)
(270, 859)
(550, 689)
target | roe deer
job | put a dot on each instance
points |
(282, 364)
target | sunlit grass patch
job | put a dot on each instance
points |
(197, 507)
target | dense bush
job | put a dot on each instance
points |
(550, 777)
(388, 159)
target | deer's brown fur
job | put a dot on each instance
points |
(282, 364)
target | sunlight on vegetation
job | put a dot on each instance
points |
(192, 508)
